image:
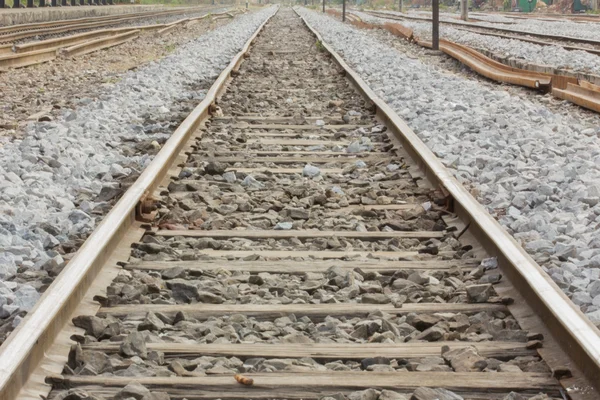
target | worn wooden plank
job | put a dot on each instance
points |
(290, 134)
(298, 142)
(361, 155)
(298, 127)
(304, 234)
(324, 351)
(407, 182)
(314, 384)
(325, 254)
(300, 267)
(316, 311)
(276, 119)
(324, 171)
(292, 160)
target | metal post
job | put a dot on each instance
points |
(63, 3)
(435, 34)
(30, 4)
(17, 4)
(42, 3)
(464, 10)
(54, 3)
(343, 10)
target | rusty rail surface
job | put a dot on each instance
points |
(99, 44)
(584, 95)
(33, 53)
(492, 69)
(581, 93)
(577, 336)
(470, 25)
(20, 32)
(76, 21)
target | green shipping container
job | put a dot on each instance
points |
(527, 5)
(577, 6)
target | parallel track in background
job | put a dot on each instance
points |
(566, 42)
(375, 221)
(41, 29)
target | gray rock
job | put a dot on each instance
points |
(390, 395)
(251, 182)
(368, 394)
(93, 326)
(151, 323)
(134, 345)
(183, 290)
(229, 177)
(283, 226)
(465, 359)
(311, 171)
(423, 393)
(479, 293)
(374, 298)
(133, 389)
(26, 297)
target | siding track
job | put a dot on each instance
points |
(372, 274)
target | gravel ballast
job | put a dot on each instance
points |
(63, 175)
(555, 56)
(536, 171)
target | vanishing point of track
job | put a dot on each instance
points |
(294, 230)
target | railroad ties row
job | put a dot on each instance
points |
(294, 247)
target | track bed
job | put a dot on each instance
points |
(297, 245)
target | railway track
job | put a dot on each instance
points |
(36, 52)
(566, 42)
(295, 240)
(53, 28)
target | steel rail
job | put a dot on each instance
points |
(588, 97)
(20, 27)
(26, 347)
(39, 52)
(99, 44)
(478, 62)
(493, 69)
(540, 35)
(88, 25)
(577, 336)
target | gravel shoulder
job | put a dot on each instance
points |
(66, 171)
(535, 169)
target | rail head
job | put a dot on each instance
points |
(25, 348)
(576, 335)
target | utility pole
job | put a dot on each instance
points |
(464, 10)
(435, 34)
